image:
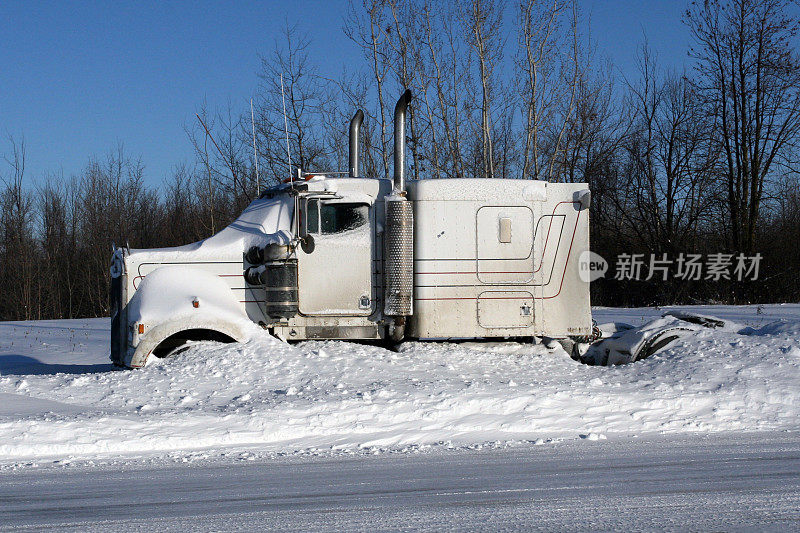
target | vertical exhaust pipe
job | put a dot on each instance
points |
(399, 235)
(400, 108)
(355, 128)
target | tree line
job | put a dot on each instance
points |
(698, 161)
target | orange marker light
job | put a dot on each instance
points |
(141, 329)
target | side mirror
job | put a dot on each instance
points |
(306, 239)
(308, 221)
(307, 243)
(302, 223)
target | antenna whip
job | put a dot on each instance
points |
(255, 151)
(286, 127)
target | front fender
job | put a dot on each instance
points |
(172, 299)
(141, 355)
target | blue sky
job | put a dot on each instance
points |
(77, 78)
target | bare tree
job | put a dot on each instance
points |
(571, 77)
(749, 74)
(207, 188)
(541, 41)
(482, 22)
(667, 187)
(55, 245)
(402, 36)
(17, 263)
(445, 71)
(288, 76)
(365, 27)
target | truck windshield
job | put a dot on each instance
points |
(335, 218)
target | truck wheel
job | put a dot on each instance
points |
(178, 342)
(397, 332)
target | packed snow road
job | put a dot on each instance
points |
(726, 482)
(60, 400)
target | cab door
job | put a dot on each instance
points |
(335, 277)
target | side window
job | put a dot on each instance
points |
(338, 218)
(312, 216)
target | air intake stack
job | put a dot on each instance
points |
(399, 234)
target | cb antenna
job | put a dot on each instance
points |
(255, 150)
(286, 127)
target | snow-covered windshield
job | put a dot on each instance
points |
(329, 218)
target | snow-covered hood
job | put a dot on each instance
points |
(263, 222)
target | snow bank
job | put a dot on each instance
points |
(624, 343)
(268, 395)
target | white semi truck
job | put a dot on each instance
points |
(326, 257)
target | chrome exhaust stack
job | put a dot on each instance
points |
(355, 128)
(399, 234)
(400, 108)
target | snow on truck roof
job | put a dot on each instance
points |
(489, 189)
(450, 189)
(322, 183)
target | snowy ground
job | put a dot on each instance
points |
(61, 401)
(704, 435)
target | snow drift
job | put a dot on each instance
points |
(328, 395)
